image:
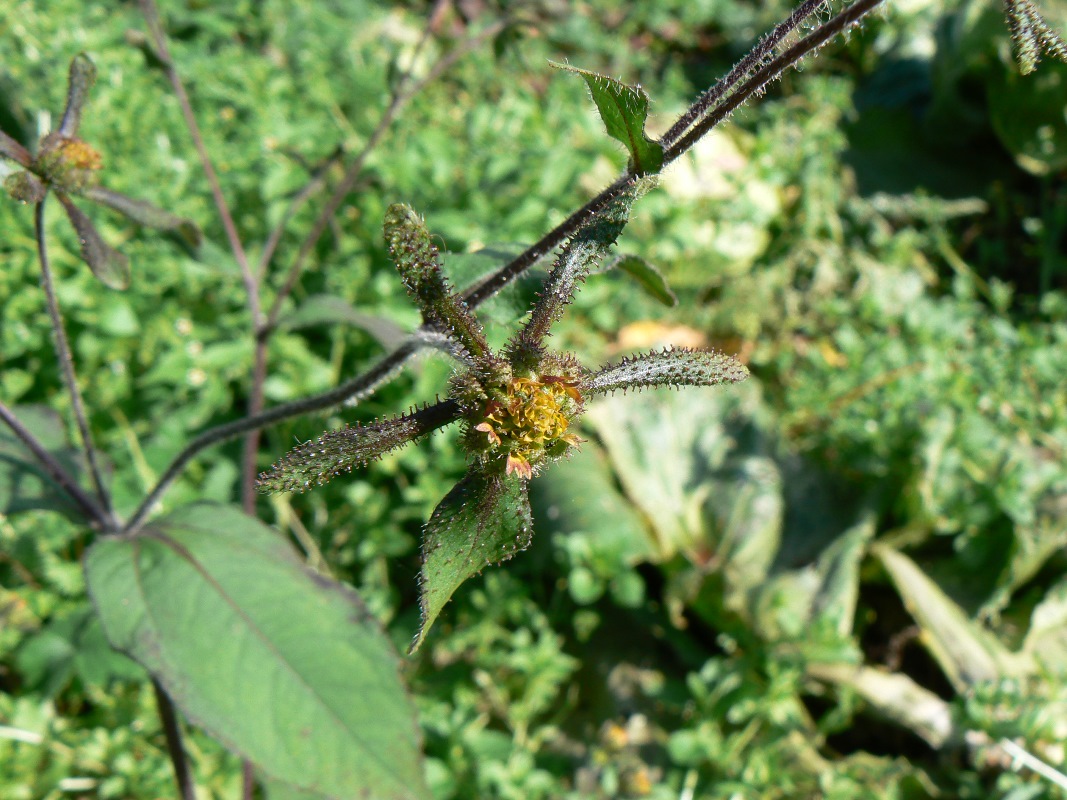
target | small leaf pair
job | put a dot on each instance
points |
(70, 167)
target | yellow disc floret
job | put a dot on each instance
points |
(530, 419)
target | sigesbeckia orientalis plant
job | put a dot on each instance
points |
(70, 167)
(518, 407)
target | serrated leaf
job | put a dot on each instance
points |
(323, 309)
(679, 366)
(966, 652)
(82, 77)
(24, 484)
(109, 265)
(647, 276)
(336, 452)
(624, 110)
(12, 149)
(484, 520)
(144, 213)
(284, 666)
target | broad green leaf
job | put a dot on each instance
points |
(107, 264)
(966, 652)
(144, 213)
(482, 521)
(24, 484)
(896, 697)
(323, 309)
(337, 452)
(82, 77)
(679, 366)
(624, 110)
(648, 278)
(284, 666)
(1027, 115)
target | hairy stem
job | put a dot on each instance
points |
(365, 384)
(66, 365)
(64, 480)
(173, 734)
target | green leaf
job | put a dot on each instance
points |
(648, 278)
(337, 452)
(324, 309)
(107, 264)
(484, 520)
(967, 653)
(24, 484)
(1031, 35)
(144, 213)
(1046, 640)
(82, 77)
(679, 366)
(624, 110)
(284, 666)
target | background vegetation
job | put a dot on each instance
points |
(844, 578)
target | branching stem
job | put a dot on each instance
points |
(66, 365)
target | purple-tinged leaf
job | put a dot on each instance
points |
(419, 264)
(672, 367)
(25, 187)
(624, 110)
(484, 520)
(107, 264)
(12, 149)
(146, 214)
(336, 452)
(82, 77)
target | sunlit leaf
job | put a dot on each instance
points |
(484, 520)
(337, 452)
(82, 77)
(419, 264)
(624, 110)
(107, 264)
(966, 652)
(146, 214)
(672, 367)
(284, 666)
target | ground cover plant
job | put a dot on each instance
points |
(841, 577)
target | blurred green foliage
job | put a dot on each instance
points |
(746, 593)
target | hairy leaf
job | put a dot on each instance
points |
(672, 367)
(484, 520)
(582, 253)
(624, 110)
(1031, 35)
(82, 77)
(146, 214)
(336, 452)
(284, 666)
(419, 264)
(107, 264)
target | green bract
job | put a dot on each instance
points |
(518, 407)
(70, 167)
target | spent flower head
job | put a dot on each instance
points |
(70, 167)
(518, 407)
